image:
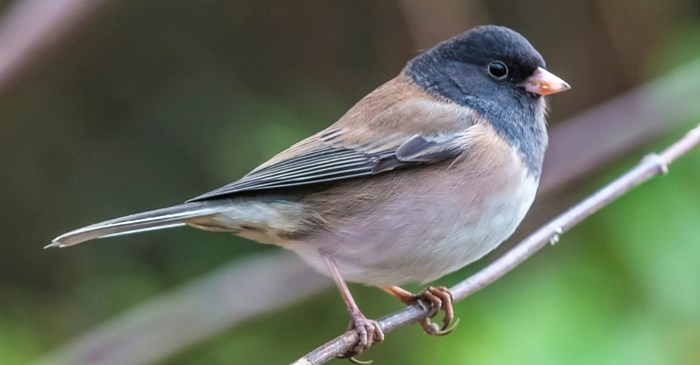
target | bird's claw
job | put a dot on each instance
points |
(368, 333)
(432, 300)
(434, 329)
(353, 360)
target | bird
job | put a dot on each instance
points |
(423, 176)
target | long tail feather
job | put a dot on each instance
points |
(140, 222)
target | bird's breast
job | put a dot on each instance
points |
(419, 224)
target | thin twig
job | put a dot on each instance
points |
(652, 165)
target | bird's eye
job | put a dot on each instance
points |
(498, 70)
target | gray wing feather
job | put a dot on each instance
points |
(329, 163)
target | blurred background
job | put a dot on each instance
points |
(114, 107)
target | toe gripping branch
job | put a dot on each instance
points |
(431, 300)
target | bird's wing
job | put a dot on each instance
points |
(322, 162)
(375, 136)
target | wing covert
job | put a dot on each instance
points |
(326, 163)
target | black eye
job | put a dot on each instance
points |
(498, 70)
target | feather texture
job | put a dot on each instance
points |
(141, 222)
(364, 144)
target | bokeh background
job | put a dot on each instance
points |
(141, 104)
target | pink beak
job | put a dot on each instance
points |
(543, 82)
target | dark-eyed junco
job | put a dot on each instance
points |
(427, 173)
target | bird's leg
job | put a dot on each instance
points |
(368, 331)
(431, 300)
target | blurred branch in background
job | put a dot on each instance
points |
(168, 324)
(626, 121)
(21, 46)
(652, 165)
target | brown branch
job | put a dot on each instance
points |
(652, 165)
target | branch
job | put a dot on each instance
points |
(29, 28)
(652, 165)
(151, 332)
(671, 98)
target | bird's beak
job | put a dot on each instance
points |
(543, 82)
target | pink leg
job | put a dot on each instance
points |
(368, 330)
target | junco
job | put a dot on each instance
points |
(426, 174)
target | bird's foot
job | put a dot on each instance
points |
(432, 300)
(368, 333)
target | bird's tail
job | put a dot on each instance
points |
(155, 219)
